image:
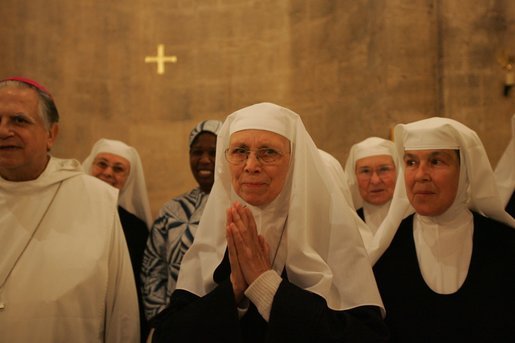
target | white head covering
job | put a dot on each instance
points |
(372, 146)
(444, 270)
(505, 169)
(133, 196)
(340, 178)
(320, 248)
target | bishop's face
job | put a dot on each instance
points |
(25, 138)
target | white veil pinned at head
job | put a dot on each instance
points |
(133, 196)
(477, 188)
(372, 146)
(340, 177)
(321, 247)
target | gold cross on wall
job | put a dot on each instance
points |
(160, 59)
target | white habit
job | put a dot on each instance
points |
(65, 273)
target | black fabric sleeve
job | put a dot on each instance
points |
(298, 315)
(189, 318)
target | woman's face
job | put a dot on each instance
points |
(202, 160)
(432, 179)
(265, 158)
(111, 168)
(376, 178)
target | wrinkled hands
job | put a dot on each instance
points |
(248, 251)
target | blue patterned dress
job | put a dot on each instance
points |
(171, 236)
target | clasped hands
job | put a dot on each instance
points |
(249, 253)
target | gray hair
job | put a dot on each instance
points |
(47, 109)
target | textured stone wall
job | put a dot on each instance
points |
(350, 68)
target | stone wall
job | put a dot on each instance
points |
(350, 68)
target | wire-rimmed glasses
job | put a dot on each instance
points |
(239, 155)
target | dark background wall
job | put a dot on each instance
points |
(350, 68)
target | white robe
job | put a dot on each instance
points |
(70, 278)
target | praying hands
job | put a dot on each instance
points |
(248, 251)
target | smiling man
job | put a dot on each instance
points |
(175, 227)
(26, 135)
(65, 274)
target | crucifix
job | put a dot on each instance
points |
(160, 59)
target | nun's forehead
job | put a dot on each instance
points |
(433, 152)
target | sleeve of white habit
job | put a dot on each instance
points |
(262, 291)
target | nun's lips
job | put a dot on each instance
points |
(252, 184)
(423, 192)
(424, 195)
(377, 190)
(205, 172)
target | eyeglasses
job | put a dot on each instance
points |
(366, 173)
(264, 155)
(117, 168)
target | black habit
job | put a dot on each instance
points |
(297, 315)
(481, 310)
(136, 233)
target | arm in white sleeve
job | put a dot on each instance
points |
(262, 291)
